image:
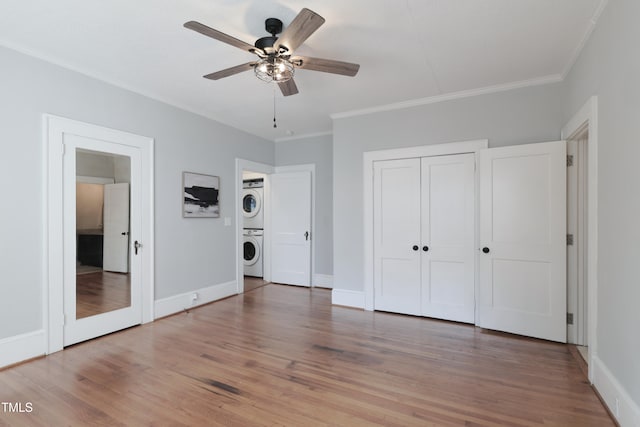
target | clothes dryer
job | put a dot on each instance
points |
(253, 203)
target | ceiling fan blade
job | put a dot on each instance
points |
(230, 71)
(220, 36)
(325, 65)
(288, 88)
(302, 26)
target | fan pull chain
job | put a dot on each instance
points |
(275, 125)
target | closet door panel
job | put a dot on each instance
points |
(447, 217)
(522, 267)
(396, 215)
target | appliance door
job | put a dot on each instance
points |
(251, 203)
(251, 250)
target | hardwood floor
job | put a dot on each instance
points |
(251, 283)
(281, 355)
(101, 292)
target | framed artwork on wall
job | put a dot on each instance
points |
(200, 195)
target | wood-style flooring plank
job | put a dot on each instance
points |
(281, 355)
(251, 283)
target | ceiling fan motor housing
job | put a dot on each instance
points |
(265, 42)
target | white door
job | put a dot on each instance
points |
(396, 230)
(447, 244)
(115, 253)
(80, 329)
(522, 263)
(291, 228)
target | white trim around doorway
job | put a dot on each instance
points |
(54, 130)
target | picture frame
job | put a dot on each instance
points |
(200, 195)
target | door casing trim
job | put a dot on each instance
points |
(588, 116)
(54, 128)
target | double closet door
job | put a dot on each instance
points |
(424, 255)
(424, 228)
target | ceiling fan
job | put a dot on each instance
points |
(276, 62)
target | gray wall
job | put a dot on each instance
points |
(505, 118)
(609, 67)
(190, 253)
(319, 151)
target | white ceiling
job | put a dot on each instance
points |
(408, 50)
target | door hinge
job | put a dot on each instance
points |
(569, 239)
(569, 160)
(569, 318)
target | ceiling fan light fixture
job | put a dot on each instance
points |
(274, 69)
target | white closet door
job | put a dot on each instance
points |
(523, 236)
(396, 201)
(448, 194)
(291, 228)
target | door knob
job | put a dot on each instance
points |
(136, 246)
(306, 235)
(425, 248)
(415, 247)
(485, 250)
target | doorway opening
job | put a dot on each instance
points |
(583, 128)
(247, 207)
(577, 240)
(253, 229)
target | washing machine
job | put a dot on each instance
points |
(252, 248)
(252, 203)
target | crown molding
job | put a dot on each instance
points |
(116, 83)
(585, 38)
(449, 97)
(302, 136)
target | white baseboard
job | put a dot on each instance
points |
(347, 298)
(22, 347)
(177, 303)
(323, 281)
(620, 404)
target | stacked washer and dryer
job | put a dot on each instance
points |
(252, 236)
